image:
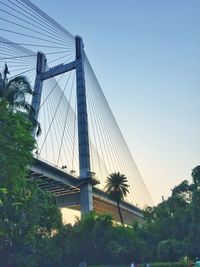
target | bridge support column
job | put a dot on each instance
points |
(36, 100)
(86, 202)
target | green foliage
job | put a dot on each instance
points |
(185, 261)
(28, 215)
(196, 176)
(157, 264)
(172, 229)
(31, 227)
(124, 265)
(194, 233)
(170, 250)
(93, 235)
(15, 91)
(117, 186)
(166, 264)
(95, 239)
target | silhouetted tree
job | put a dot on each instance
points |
(196, 176)
(117, 187)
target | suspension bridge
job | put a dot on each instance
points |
(81, 143)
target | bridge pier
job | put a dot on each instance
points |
(86, 201)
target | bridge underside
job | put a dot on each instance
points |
(101, 206)
(66, 189)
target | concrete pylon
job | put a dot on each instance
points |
(86, 201)
(37, 93)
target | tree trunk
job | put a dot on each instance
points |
(120, 214)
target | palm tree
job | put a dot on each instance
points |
(14, 91)
(117, 187)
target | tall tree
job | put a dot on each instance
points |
(15, 91)
(117, 186)
(28, 215)
(194, 235)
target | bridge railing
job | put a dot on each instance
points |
(63, 168)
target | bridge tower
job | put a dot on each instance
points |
(36, 100)
(83, 138)
(86, 201)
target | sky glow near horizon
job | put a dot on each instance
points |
(146, 56)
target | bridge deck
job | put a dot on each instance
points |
(66, 188)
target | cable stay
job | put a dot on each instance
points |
(58, 143)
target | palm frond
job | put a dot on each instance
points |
(22, 83)
(117, 185)
(15, 91)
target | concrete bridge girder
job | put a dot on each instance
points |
(66, 189)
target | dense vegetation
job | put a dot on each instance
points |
(28, 215)
(170, 231)
(32, 233)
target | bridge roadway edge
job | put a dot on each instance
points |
(66, 188)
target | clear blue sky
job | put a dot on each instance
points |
(146, 56)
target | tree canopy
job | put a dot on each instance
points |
(15, 91)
